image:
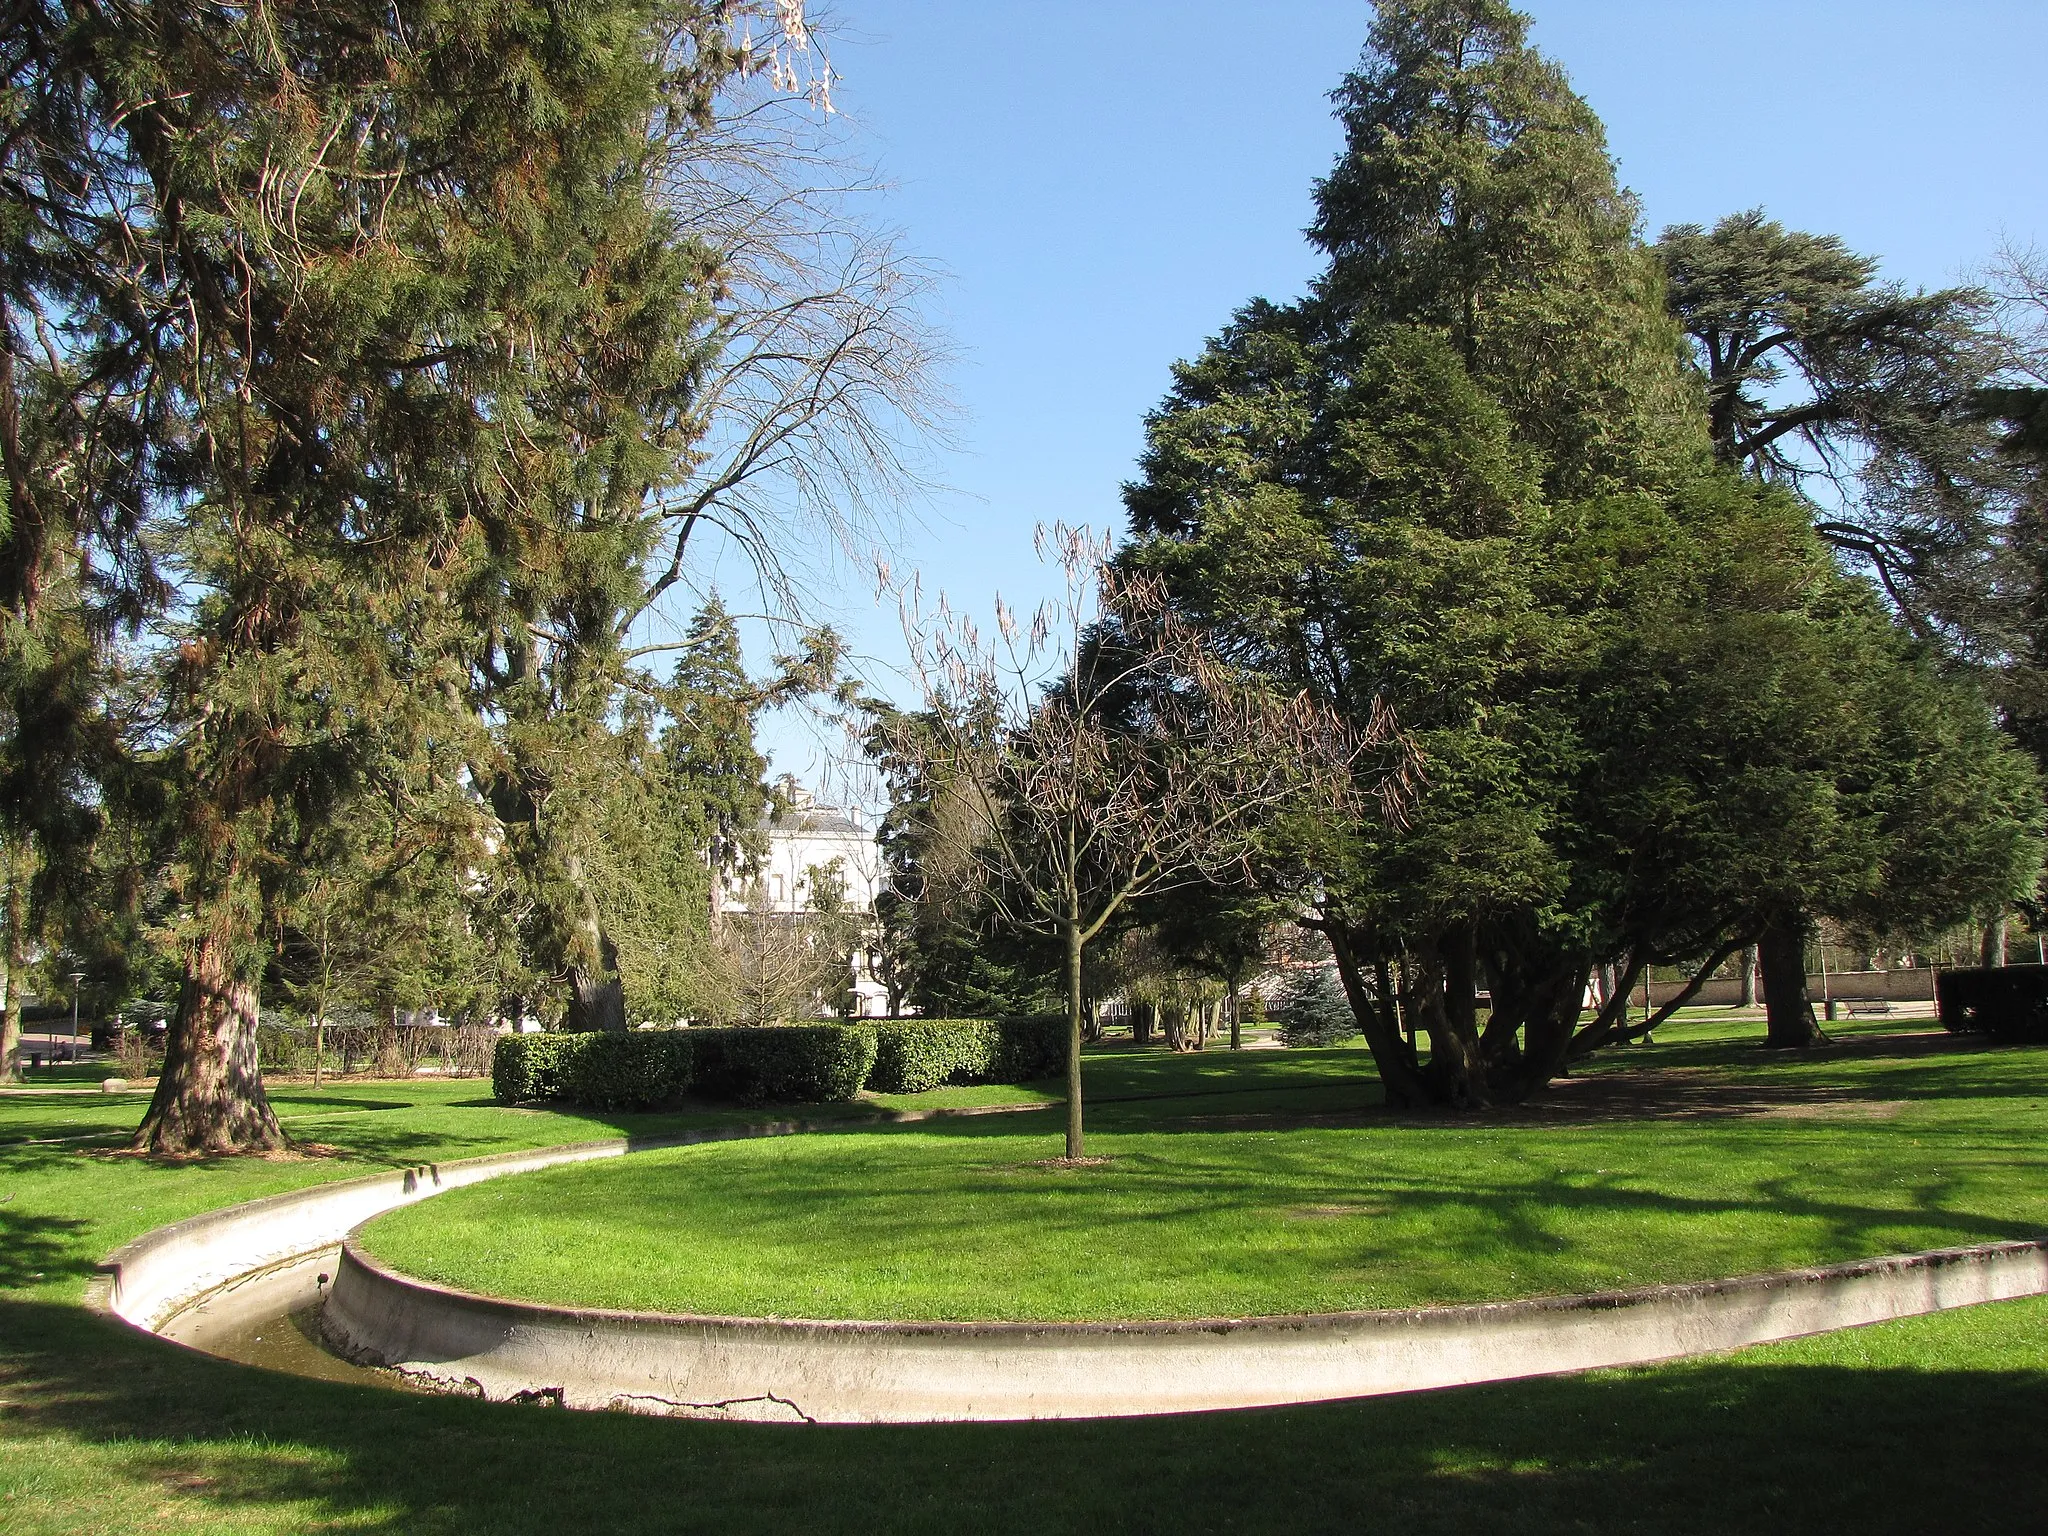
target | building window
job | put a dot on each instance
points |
(778, 890)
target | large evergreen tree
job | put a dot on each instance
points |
(1475, 197)
(330, 294)
(1467, 479)
(1858, 393)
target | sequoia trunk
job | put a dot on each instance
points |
(596, 1002)
(209, 1097)
(597, 992)
(15, 916)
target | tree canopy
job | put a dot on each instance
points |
(1467, 479)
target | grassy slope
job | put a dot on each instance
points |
(1931, 1423)
(1209, 1209)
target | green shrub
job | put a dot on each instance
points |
(774, 1064)
(525, 1067)
(913, 1055)
(1029, 1048)
(1315, 1011)
(642, 1070)
(784, 1063)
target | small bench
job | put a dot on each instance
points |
(1869, 1005)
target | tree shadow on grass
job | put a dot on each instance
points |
(35, 1248)
(127, 1432)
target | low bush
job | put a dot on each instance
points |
(913, 1055)
(2008, 1003)
(783, 1063)
(643, 1070)
(791, 1064)
(527, 1067)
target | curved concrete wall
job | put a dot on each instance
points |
(850, 1372)
(147, 1282)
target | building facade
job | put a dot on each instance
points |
(817, 857)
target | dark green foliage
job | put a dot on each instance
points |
(1315, 1011)
(1466, 480)
(1475, 198)
(2008, 1003)
(1865, 394)
(528, 1067)
(777, 1064)
(783, 1063)
(916, 1054)
(946, 948)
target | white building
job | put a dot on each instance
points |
(805, 841)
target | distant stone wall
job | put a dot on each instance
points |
(1915, 986)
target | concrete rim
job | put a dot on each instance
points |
(860, 1370)
(517, 1312)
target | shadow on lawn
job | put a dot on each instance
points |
(126, 1431)
(35, 1248)
(1933, 1177)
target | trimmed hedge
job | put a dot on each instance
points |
(784, 1063)
(794, 1064)
(642, 1070)
(2008, 1002)
(527, 1067)
(916, 1054)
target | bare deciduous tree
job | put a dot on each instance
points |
(1108, 752)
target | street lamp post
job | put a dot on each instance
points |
(76, 978)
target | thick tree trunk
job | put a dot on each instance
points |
(1781, 956)
(1499, 1043)
(1455, 1058)
(1551, 1006)
(596, 1003)
(1992, 952)
(1236, 1030)
(1173, 1019)
(1392, 1055)
(1072, 934)
(209, 1097)
(1141, 1023)
(1749, 976)
(15, 917)
(597, 993)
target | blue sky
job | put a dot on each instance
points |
(1101, 184)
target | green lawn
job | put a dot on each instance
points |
(1276, 1200)
(1933, 1423)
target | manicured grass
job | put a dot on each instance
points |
(1934, 1423)
(64, 1204)
(1212, 1206)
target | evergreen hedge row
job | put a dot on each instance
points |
(786, 1064)
(917, 1054)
